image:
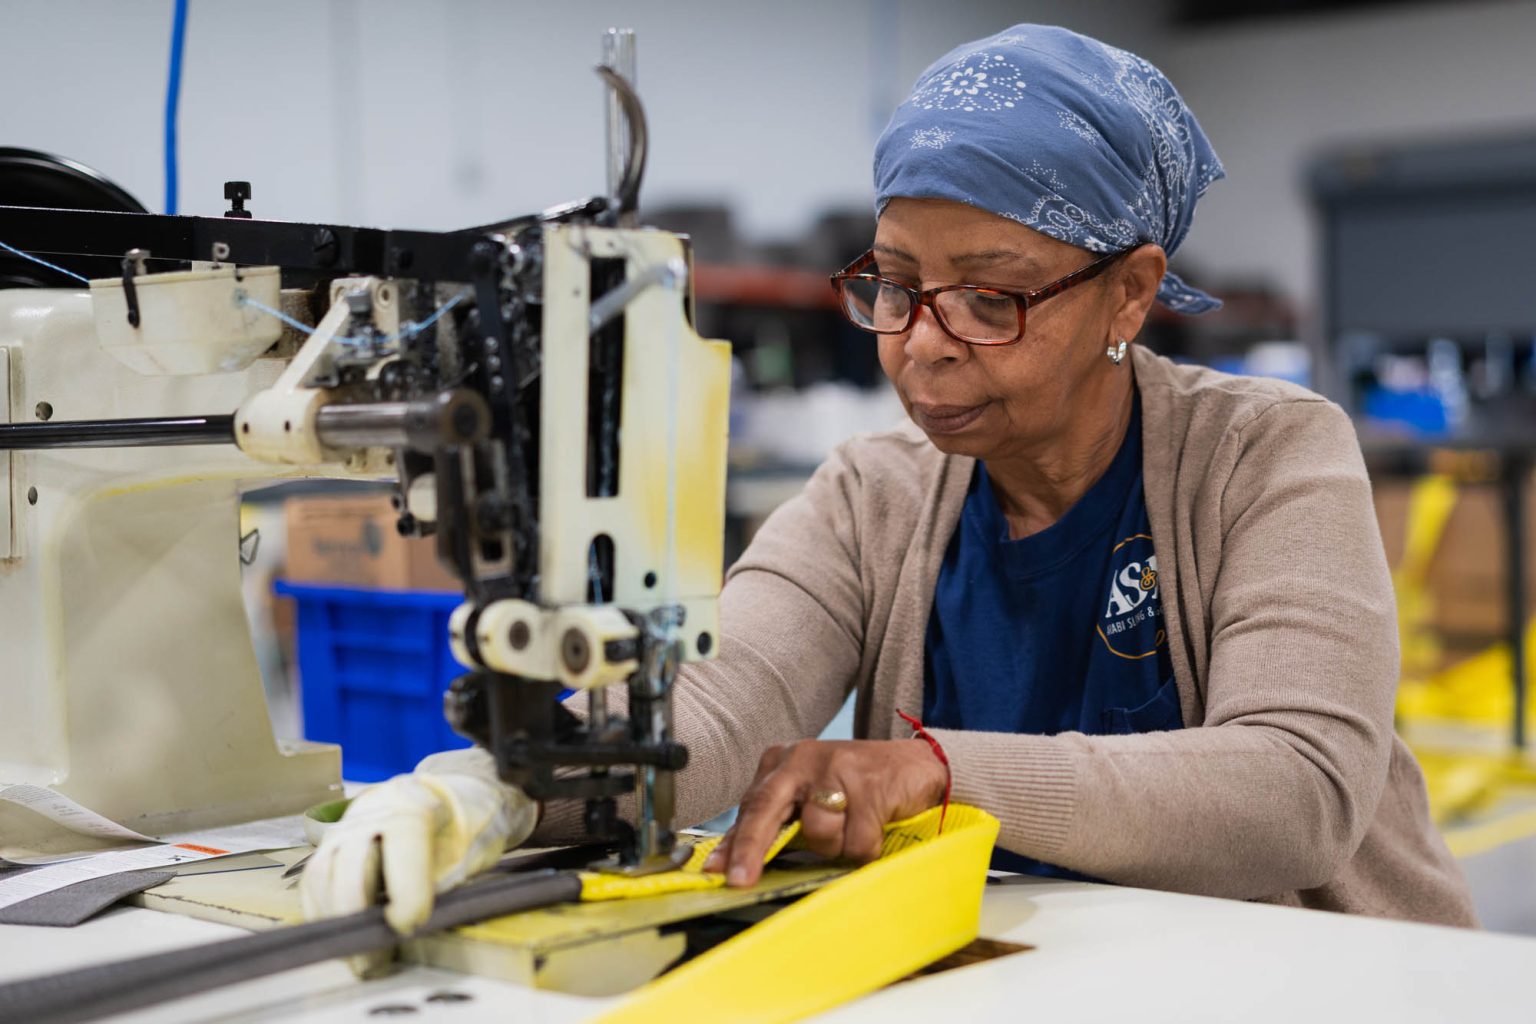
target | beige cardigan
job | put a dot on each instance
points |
(1287, 785)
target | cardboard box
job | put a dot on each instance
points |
(353, 542)
(1466, 574)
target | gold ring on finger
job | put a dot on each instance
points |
(834, 800)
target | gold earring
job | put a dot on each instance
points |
(1116, 352)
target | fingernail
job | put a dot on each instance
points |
(712, 862)
(736, 876)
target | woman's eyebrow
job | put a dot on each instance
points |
(965, 261)
(992, 257)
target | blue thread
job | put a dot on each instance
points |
(408, 330)
(173, 101)
(245, 300)
(44, 263)
(412, 329)
(595, 577)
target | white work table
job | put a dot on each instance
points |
(1101, 953)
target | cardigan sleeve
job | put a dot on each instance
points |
(791, 637)
(1276, 789)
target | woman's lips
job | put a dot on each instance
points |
(946, 419)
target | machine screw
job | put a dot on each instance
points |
(325, 247)
(575, 651)
(237, 192)
(449, 997)
(519, 636)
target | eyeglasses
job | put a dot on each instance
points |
(969, 313)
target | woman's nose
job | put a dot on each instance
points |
(929, 343)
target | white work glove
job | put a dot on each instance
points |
(418, 834)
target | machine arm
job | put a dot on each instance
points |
(539, 394)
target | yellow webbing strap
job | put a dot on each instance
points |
(920, 901)
(596, 886)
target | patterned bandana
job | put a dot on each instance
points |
(1062, 133)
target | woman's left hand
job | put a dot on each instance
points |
(874, 781)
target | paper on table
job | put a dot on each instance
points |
(284, 832)
(61, 810)
(266, 834)
(269, 834)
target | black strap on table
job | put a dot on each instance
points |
(88, 993)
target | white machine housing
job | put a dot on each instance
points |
(131, 682)
(129, 676)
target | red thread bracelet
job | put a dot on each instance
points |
(918, 732)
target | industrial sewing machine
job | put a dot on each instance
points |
(535, 389)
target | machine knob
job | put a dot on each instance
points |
(237, 192)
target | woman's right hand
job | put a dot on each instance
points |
(843, 791)
(412, 837)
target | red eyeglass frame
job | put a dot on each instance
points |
(917, 299)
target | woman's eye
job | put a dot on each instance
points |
(991, 305)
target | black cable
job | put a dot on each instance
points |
(89, 993)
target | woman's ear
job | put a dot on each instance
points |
(1138, 276)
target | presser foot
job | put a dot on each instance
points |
(652, 865)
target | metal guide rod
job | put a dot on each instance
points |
(449, 418)
(89, 993)
(157, 431)
(457, 417)
(618, 54)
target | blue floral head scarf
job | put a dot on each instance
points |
(1060, 132)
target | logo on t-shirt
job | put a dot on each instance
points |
(1131, 625)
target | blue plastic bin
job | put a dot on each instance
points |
(373, 666)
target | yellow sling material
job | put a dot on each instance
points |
(689, 877)
(920, 901)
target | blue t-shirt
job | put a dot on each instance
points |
(1061, 631)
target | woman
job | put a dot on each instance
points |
(1142, 609)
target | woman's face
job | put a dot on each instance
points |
(1005, 400)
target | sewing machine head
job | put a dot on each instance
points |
(535, 389)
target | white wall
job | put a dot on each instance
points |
(1271, 94)
(437, 115)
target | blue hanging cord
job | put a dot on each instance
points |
(173, 100)
(44, 263)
